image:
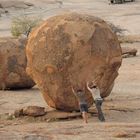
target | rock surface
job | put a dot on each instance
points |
(14, 4)
(126, 52)
(123, 134)
(34, 111)
(12, 64)
(68, 50)
(7, 5)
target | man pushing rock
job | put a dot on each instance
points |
(82, 103)
(95, 91)
(80, 95)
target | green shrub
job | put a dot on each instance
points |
(24, 25)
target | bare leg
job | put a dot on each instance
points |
(85, 117)
(82, 103)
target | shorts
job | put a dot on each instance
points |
(83, 107)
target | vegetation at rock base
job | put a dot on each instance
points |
(24, 25)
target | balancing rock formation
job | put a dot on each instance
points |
(13, 64)
(67, 51)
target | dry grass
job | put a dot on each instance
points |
(24, 25)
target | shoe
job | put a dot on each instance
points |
(101, 117)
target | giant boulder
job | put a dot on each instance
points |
(13, 64)
(67, 51)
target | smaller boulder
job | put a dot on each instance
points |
(34, 111)
(126, 52)
(13, 64)
(124, 134)
(18, 113)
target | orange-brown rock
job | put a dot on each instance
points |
(68, 50)
(124, 134)
(33, 111)
(13, 64)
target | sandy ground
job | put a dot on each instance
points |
(121, 108)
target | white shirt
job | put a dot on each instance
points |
(96, 93)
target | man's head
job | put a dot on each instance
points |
(79, 90)
(92, 85)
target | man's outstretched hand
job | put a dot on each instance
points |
(90, 89)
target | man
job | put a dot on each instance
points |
(95, 91)
(82, 103)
